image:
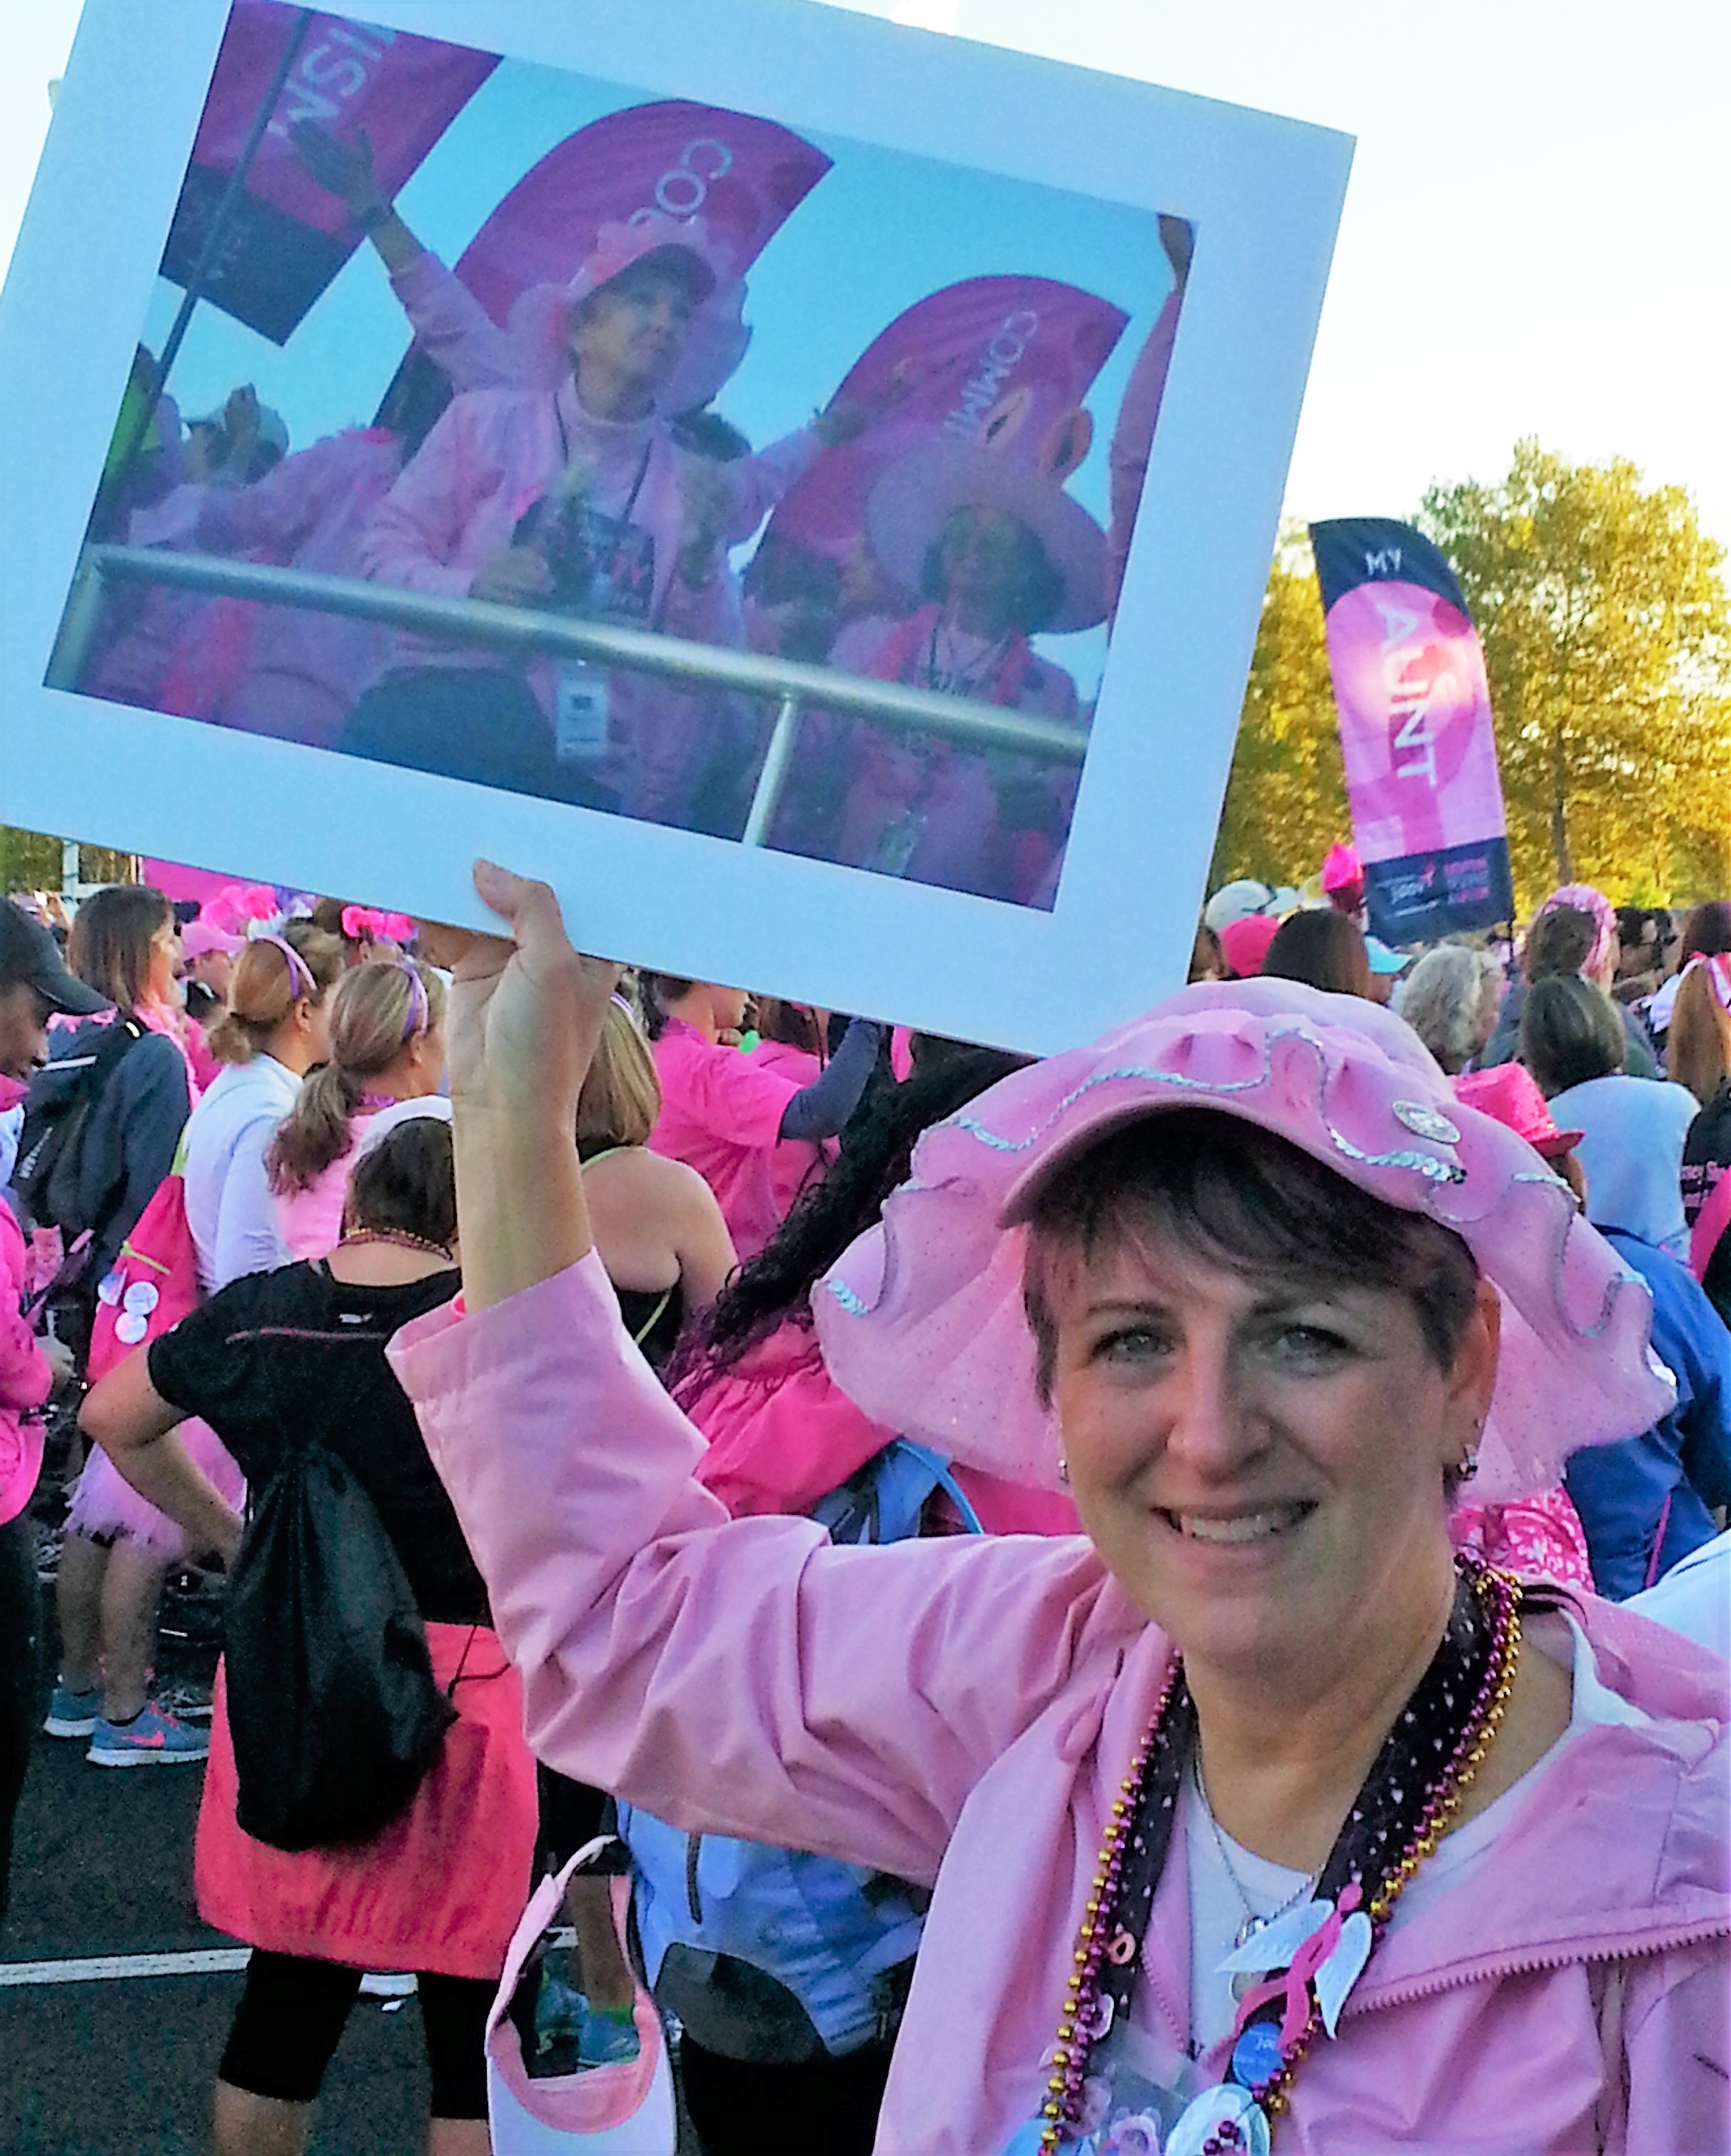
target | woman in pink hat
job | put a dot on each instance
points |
(1251, 1809)
(997, 552)
(578, 497)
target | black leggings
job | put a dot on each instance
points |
(291, 2016)
(20, 1673)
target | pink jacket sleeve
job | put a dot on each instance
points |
(25, 1378)
(416, 528)
(454, 328)
(1132, 441)
(272, 516)
(759, 481)
(741, 1677)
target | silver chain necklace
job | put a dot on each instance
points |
(1254, 1919)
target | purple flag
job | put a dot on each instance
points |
(286, 237)
(1415, 731)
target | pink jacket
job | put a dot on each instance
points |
(783, 1434)
(25, 1377)
(960, 1712)
(452, 327)
(300, 672)
(492, 455)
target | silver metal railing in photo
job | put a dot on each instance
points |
(793, 684)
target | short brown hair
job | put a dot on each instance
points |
(621, 1096)
(407, 1183)
(1232, 1195)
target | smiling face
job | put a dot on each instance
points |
(1259, 1451)
(1256, 1461)
(23, 1029)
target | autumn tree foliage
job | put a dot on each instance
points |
(1607, 640)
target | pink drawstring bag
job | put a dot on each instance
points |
(624, 2110)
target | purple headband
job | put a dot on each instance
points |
(420, 1015)
(298, 970)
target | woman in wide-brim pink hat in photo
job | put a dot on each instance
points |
(997, 553)
(1251, 1809)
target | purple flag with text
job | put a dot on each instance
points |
(1415, 731)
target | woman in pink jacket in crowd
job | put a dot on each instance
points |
(733, 1117)
(1252, 1760)
(751, 1374)
(578, 497)
(387, 1063)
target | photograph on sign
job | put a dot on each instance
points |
(558, 442)
(685, 464)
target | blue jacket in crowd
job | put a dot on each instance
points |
(1657, 1487)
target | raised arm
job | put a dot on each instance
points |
(735, 1676)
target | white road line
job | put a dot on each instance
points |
(105, 1968)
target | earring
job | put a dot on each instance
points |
(1063, 1470)
(1468, 1467)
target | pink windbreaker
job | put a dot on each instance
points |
(960, 1712)
(25, 1378)
(783, 1434)
(300, 672)
(493, 453)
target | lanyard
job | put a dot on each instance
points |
(643, 465)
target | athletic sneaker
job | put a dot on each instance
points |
(73, 1713)
(151, 1738)
(609, 2037)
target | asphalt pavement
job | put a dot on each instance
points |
(122, 2065)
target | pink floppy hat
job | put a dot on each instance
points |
(922, 1321)
(913, 499)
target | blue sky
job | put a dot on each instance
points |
(877, 233)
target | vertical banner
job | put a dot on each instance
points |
(1415, 731)
(285, 237)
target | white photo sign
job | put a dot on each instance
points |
(802, 485)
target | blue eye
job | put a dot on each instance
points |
(1129, 1343)
(1309, 1345)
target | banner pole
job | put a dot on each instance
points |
(146, 411)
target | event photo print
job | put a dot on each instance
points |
(690, 375)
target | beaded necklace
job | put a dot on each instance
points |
(1309, 1957)
(398, 1239)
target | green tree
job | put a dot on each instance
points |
(1285, 799)
(30, 861)
(1605, 629)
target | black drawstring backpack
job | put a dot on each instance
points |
(333, 1709)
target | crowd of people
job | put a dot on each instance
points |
(572, 460)
(1343, 1761)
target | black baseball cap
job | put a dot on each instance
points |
(28, 952)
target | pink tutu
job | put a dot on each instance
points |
(106, 1505)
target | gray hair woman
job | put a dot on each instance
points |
(1449, 1000)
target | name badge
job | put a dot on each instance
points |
(580, 704)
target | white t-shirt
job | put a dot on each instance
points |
(230, 1207)
(1217, 1910)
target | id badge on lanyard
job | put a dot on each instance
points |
(580, 711)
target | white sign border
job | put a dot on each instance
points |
(1265, 195)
